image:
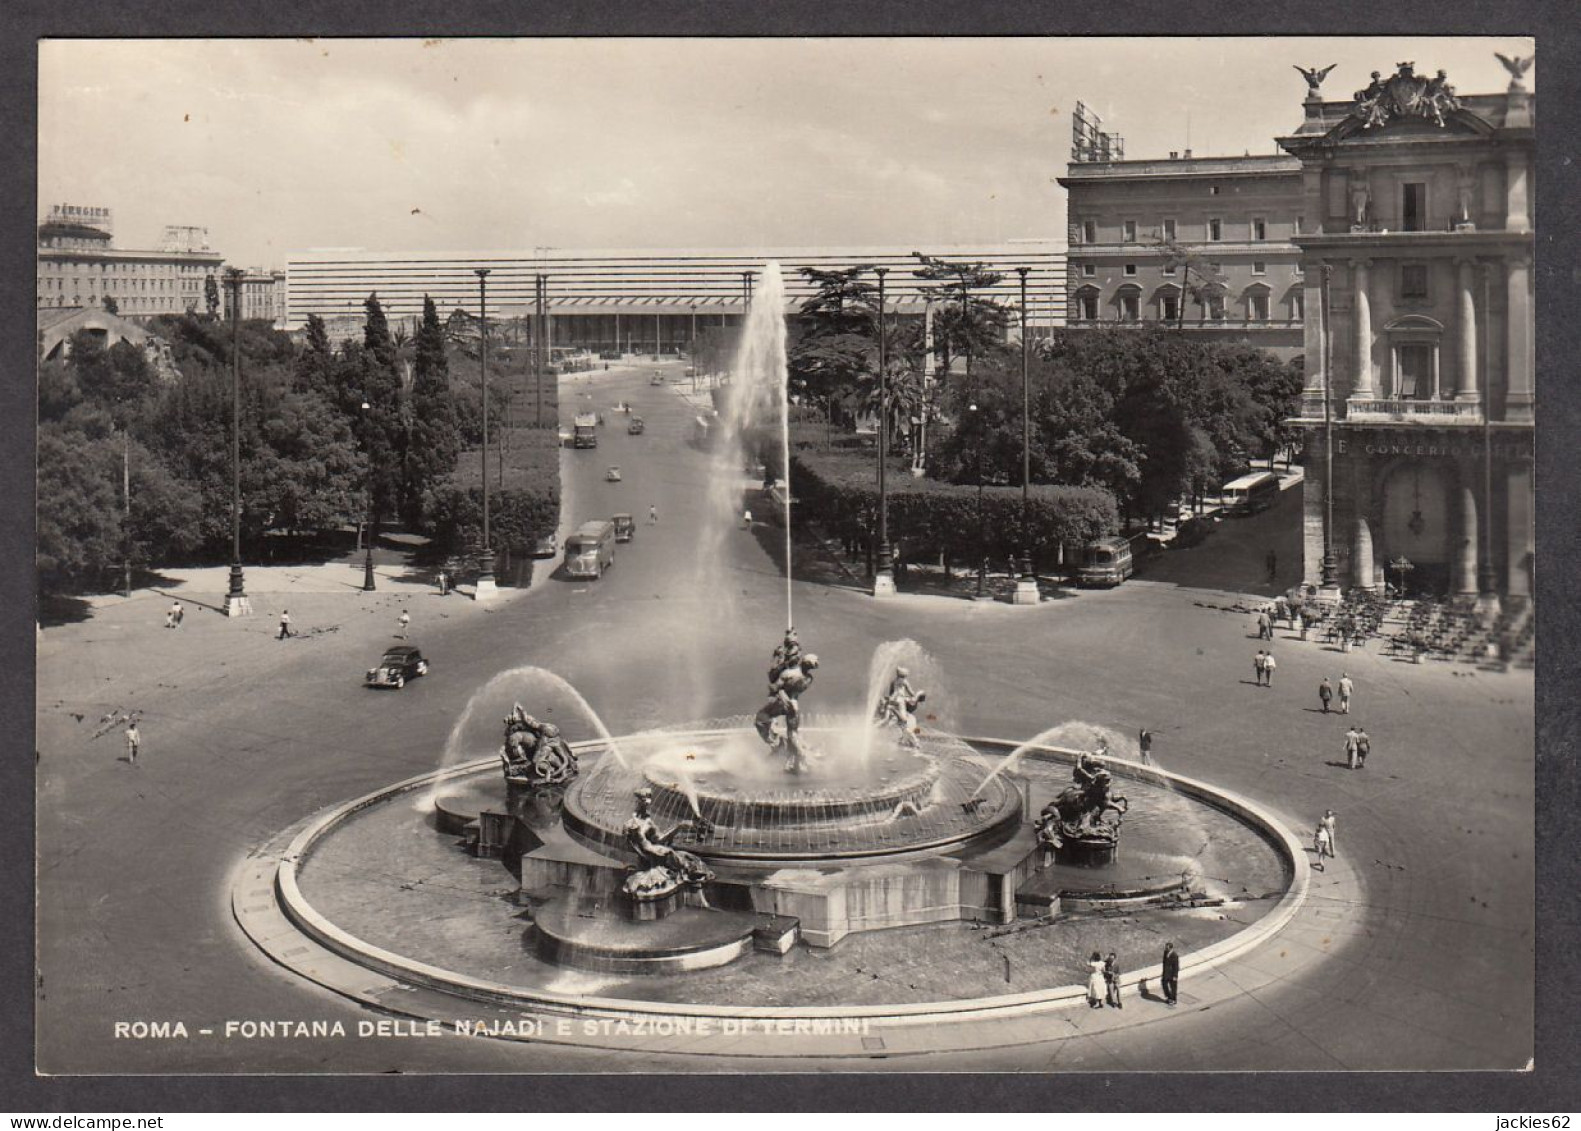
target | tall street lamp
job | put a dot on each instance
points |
(1027, 584)
(485, 587)
(237, 603)
(367, 562)
(691, 348)
(884, 575)
(1329, 566)
(982, 567)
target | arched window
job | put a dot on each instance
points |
(1166, 300)
(1128, 303)
(1413, 357)
(1087, 304)
(1255, 298)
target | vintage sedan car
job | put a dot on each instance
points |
(656, 379)
(613, 475)
(635, 427)
(400, 663)
(546, 547)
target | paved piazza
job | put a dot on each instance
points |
(1414, 950)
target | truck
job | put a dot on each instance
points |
(584, 430)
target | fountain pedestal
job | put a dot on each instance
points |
(883, 584)
(1026, 592)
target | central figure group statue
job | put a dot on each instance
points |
(898, 707)
(789, 676)
(1078, 812)
(534, 754)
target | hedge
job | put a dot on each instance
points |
(839, 491)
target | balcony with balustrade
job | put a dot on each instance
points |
(1412, 410)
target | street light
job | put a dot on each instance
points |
(367, 538)
(1027, 583)
(691, 348)
(485, 586)
(1329, 567)
(237, 603)
(982, 567)
(884, 575)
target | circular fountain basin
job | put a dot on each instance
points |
(885, 800)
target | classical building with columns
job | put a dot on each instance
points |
(1417, 266)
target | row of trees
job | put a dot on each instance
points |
(133, 469)
(1151, 416)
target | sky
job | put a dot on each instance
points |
(465, 145)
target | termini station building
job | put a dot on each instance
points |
(1417, 262)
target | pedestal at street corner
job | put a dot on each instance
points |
(486, 589)
(883, 584)
(1026, 592)
(237, 603)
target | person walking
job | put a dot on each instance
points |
(1111, 981)
(1322, 844)
(1265, 625)
(1268, 668)
(1328, 823)
(404, 620)
(1350, 748)
(1363, 746)
(1257, 667)
(746, 518)
(443, 581)
(653, 514)
(285, 624)
(1325, 692)
(134, 741)
(1346, 686)
(1144, 745)
(1170, 982)
(170, 617)
(178, 613)
(1095, 981)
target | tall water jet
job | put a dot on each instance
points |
(756, 402)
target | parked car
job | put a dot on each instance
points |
(625, 527)
(401, 662)
(656, 379)
(635, 427)
(613, 475)
(546, 547)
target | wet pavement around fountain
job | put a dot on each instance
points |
(387, 876)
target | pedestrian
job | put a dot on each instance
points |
(1096, 985)
(1325, 693)
(1268, 669)
(285, 624)
(1111, 981)
(134, 741)
(404, 620)
(1170, 982)
(170, 617)
(1363, 746)
(1257, 667)
(444, 584)
(1265, 626)
(1272, 562)
(1350, 748)
(1329, 823)
(179, 613)
(1144, 744)
(1346, 686)
(1281, 608)
(746, 518)
(1322, 844)
(653, 515)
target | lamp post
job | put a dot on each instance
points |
(977, 444)
(884, 575)
(1329, 568)
(486, 586)
(367, 540)
(691, 348)
(1027, 584)
(1488, 604)
(237, 603)
(540, 359)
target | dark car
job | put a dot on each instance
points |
(635, 427)
(546, 547)
(400, 663)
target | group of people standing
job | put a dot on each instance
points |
(1103, 979)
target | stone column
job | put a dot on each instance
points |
(1362, 385)
(1517, 216)
(1466, 317)
(1361, 571)
(1519, 360)
(1518, 483)
(1463, 562)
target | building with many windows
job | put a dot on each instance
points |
(1205, 243)
(1419, 250)
(79, 265)
(635, 300)
(262, 295)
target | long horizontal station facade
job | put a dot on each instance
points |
(643, 301)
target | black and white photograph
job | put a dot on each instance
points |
(712, 555)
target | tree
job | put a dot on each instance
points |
(211, 295)
(314, 370)
(1198, 277)
(110, 305)
(435, 438)
(965, 323)
(383, 427)
(835, 344)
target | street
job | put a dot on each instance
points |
(244, 735)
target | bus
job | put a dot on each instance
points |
(591, 550)
(1105, 562)
(1251, 493)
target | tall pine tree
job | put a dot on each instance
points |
(384, 425)
(435, 439)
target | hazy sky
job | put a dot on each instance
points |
(281, 145)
